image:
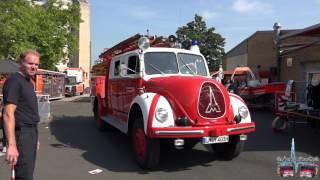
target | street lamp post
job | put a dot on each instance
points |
(276, 40)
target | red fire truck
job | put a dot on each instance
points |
(256, 92)
(158, 95)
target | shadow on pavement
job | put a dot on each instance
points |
(112, 149)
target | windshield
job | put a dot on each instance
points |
(160, 63)
(167, 63)
(191, 64)
(71, 80)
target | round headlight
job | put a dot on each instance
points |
(143, 43)
(161, 114)
(243, 112)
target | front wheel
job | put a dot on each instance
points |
(279, 124)
(229, 150)
(146, 150)
(100, 124)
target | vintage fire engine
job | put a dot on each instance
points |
(159, 95)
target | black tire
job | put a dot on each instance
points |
(272, 103)
(279, 124)
(190, 143)
(100, 124)
(230, 150)
(146, 150)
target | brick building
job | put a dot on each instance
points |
(299, 55)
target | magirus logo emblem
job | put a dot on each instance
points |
(213, 105)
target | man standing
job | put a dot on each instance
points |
(21, 117)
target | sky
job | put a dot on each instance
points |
(113, 21)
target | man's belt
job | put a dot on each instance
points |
(20, 126)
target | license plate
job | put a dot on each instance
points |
(214, 140)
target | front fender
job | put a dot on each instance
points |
(236, 102)
(148, 103)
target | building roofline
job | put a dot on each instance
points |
(302, 32)
(286, 31)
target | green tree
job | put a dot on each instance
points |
(51, 29)
(211, 44)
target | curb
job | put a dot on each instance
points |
(69, 99)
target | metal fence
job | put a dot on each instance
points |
(43, 107)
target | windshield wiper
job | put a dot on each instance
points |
(193, 73)
(153, 67)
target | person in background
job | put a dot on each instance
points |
(227, 84)
(3, 140)
(21, 117)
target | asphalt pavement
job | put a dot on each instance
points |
(71, 146)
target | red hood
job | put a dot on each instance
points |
(200, 99)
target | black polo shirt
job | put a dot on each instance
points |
(19, 90)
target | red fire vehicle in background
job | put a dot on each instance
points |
(74, 82)
(158, 95)
(257, 92)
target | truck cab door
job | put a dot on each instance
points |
(114, 88)
(130, 82)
